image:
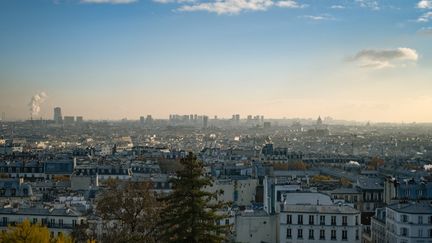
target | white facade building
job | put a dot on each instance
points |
(255, 227)
(56, 219)
(409, 222)
(315, 222)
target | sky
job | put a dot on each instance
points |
(364, 60)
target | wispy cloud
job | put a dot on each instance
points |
(337, 7)
(232, 6)
(425, 31)
(319, 17)
(379, 59)
(425, 4)
(229, 6)
(289, 4)
(174, 1)
(109, 1)
(425, 17)
(371, 4)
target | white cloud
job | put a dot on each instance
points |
(319, 17)
(289, 4)
(174, 1)
(425, 17)
(109, 1)
(425, 4)
(378, 59)
(337, 7)
(229, 6)
(233, 6)
(372, 4)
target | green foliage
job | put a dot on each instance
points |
(189, 215)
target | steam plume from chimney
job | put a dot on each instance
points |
(35, 103)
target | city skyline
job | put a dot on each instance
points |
(359, 60)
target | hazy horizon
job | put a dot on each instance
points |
(362, 60)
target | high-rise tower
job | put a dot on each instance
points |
(57, 115)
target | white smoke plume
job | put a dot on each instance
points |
(36, 101)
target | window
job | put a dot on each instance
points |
(430, 219)
(344, 235)
(34, 220)
(430, 233)
(322, 220)
(300, 234)
(322, 234)
(344, 220)
(404, 231)
(333, 220)
(333, 234)
(357, 234)
(311, 219)
(288, 236)
(311, 234)
(74, 222)
(356, 219)
(420, 233)
(61, 222)
(299, 219)
(4, 221)
(404, 218)
(289, 219)
(420, 219)
(52, 222)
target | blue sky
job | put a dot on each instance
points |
(109, 59)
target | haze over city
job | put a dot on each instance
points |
(216, 121)
(360, 60)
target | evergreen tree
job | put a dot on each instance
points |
(191, 214)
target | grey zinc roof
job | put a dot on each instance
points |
(423, 207)
(294, 198)
(368, 183)
(41, 211)
(344, 190)
(322, 209)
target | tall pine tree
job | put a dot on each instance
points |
(192, 215)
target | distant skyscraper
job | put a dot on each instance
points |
(69, 119)
(149, 120)
(142, 120)
(58, 115)
(79, 119)
(205, 121)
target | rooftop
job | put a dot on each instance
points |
(422, 207)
